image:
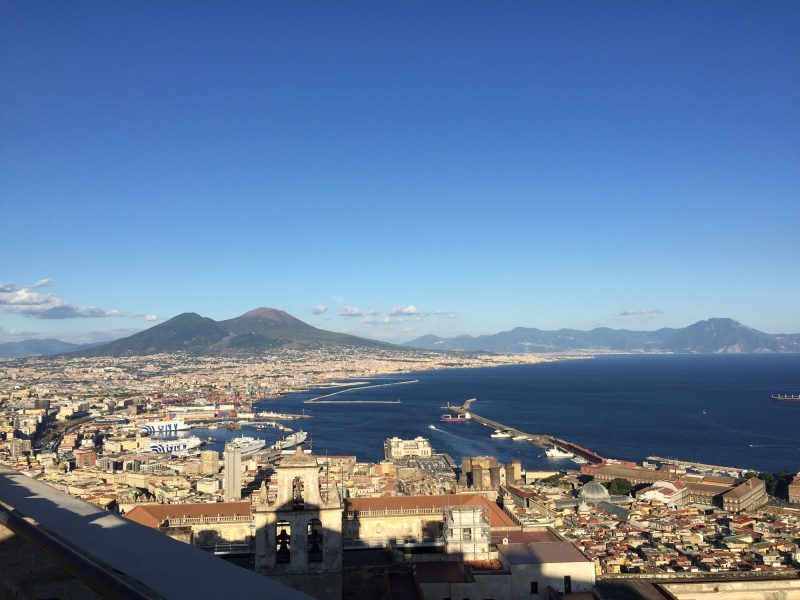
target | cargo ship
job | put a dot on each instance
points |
(786, 397)
(169, 426)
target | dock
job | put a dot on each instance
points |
(540, 440)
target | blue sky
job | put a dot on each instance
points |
(412, 167)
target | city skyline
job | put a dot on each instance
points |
(393, 171)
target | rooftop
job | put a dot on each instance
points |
(153, 515)
(497, 516)
(539, 553)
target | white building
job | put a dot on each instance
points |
(397, 448)
(233, 473)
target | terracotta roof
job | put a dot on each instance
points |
(518, 492)
(153, 515)
(497, 516)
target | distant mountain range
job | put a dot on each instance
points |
(38, 348)
(704, 337)
(255, 331)
(267, 328)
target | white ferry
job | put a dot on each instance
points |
(170, 426)
(247, 445)
(181, 445)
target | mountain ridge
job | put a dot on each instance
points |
(711, 336)
(257, 330)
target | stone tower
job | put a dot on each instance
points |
(299, 535)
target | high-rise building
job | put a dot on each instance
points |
(209, 462)
(232, 483)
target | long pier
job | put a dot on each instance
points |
(537, 439)
(321, 399)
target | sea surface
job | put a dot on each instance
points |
(710, 409)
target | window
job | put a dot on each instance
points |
(535, 587)
(283, 543)
(297, 493)
(314, 540)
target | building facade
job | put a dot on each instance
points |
(232, 484)
(299, 532)
(397, 448)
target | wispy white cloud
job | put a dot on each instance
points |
(25, 301)
(319, 309)
(350, 311)
(403, 310)
(151, 317)
(641, 312)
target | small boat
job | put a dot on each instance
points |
(556, 452)
(519, 438)
(500, 434)
(579, 460)
(432, 427)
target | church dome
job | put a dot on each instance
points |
(593, 492)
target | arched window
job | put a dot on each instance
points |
(297, 493)
(283, 542)
(314, 540)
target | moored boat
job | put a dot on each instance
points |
(498, 433)
(556, 452)
(247, 445)
(181, 445)
(168, 426)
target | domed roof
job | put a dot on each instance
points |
(593, 492)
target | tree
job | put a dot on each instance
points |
(619, 487)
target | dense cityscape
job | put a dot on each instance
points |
(116, 433)
(399, 300)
